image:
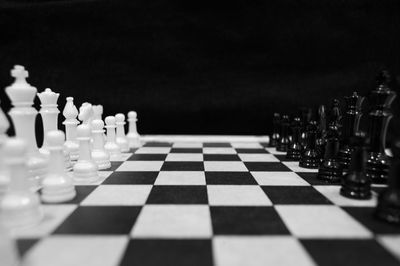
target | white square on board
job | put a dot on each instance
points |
(173, 221)
(247, 145)
(181, 178)
(219, 151)
(77, 250)
(294, 166)
(237, 195)
(321, 221)
(333, 194)
(259, 251)
(257, 157)
(279, 179)
(184, 157)
(224, 166)
(138, 166)
(153, 150)
(187, 145)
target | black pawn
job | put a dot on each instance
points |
(351, 122)
(379, 117)
(356, 184)
(294, 149)
(310, 157)
(275, 130)
(388, 208)
(321, 136)
(284, 141)
(330, 169)
(306, 114)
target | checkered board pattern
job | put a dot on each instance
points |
(206, 204)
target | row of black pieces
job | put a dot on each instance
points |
(379, 116)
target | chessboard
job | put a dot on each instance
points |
(209, 203)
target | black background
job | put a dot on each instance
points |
(201, 67)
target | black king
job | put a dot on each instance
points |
(379, 117)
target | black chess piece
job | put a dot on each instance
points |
(379, 117)
(275, 130)
(335, 113)
(351, 122)
(306, 114)
(388, 208)
(321, 135)
(284, 141)
(294, 149)
(356, 184)
(330, 169)
(310, 157)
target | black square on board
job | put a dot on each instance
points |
(282, 158)
(157, 144)
(178, 195)
(294, 195)
(247, 221)
(229, 178)
(186, 150)
(100, 220)
(177, 252)
(312, 179)
(114, 166)
(147, 157)
(365, 215)
(221, 157)
(267, 166)
(182, 166)
(217, 145)
(244, 150)
(116, 178)
(365, 252)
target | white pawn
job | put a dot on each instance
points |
(57, 185)
(4, 179)
(111, 146)
(70, 113)
(121, 139)
(99, 155)
(85, 169)
(97, 112)
(133, 136)
(20, 206)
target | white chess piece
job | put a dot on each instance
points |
(121, 139)
(111, 146)
(49, 113)
(85, 169)
(86, 113)
(23, 116)
(70, 113)
(133, 136)
(97, 112)
(99, 154)
(8, 249)
(57, 185)
(20, 206)
(4, 179)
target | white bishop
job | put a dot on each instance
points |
(70, 113)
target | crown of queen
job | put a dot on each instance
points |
(20, 92)
(48, 97)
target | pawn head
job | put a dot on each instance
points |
(132, 114)
(97, 124)
(110, 120)
(119, 117)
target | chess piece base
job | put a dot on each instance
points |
(85, 172)
(356, 186)
(388, 208)
(330, 171)
(378, 165)
(310, 159)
